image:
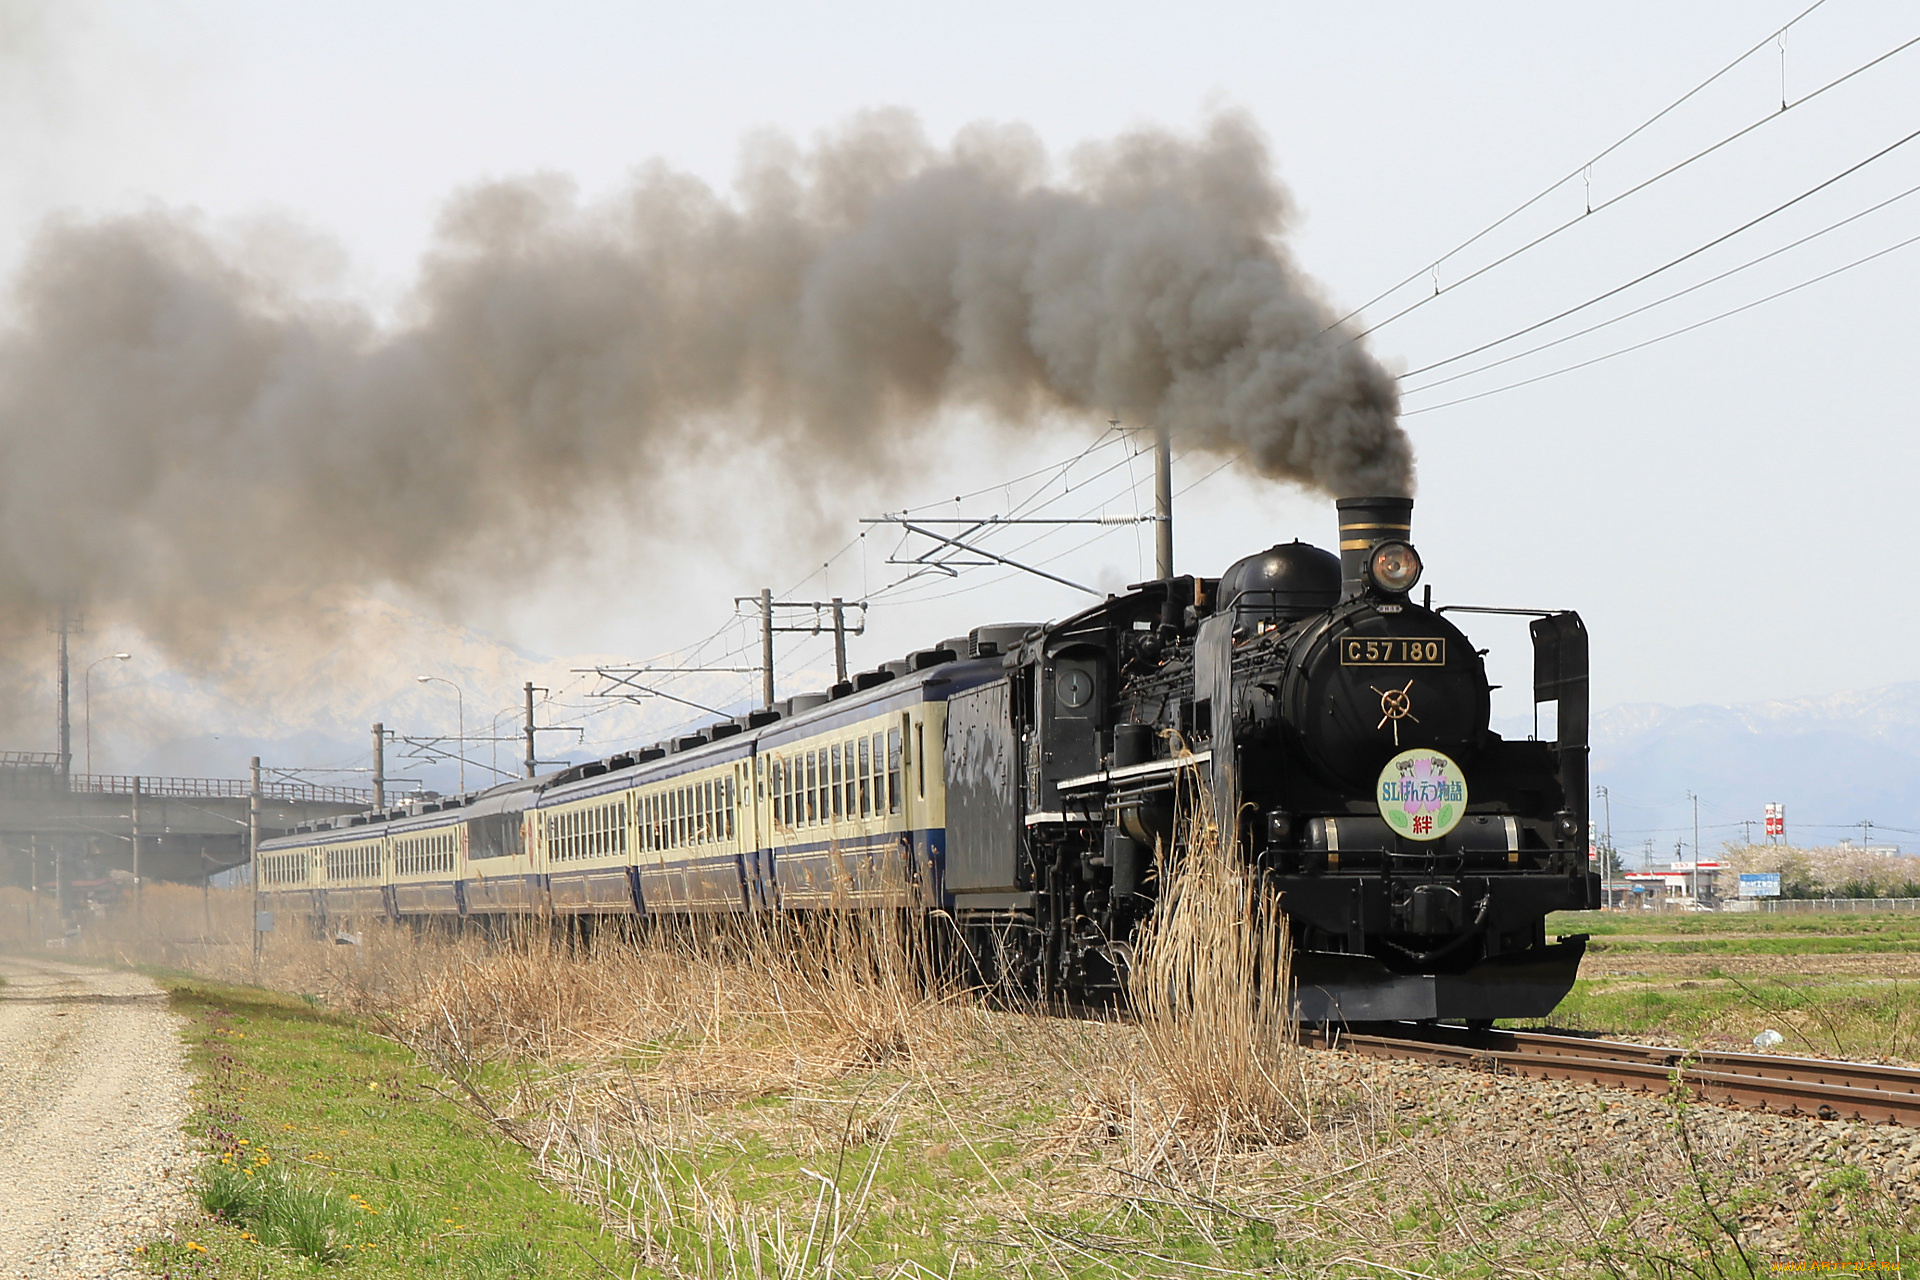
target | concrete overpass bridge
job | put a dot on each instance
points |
(84, 829)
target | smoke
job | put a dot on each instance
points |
(189, 427)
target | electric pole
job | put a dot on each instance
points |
(532, 763)
(839, 641)
(1606, 853)
(139, 894)
(1162, 503)
(379, 766)
(766, 647)
(1696, 844)
(837, 607)
(63, 731)
(253, 850)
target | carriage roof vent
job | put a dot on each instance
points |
(844, 689)
(725, 729)
(868, 679)
(805, 702)
(621, 761)
(932, 658)
(649, 753)
(992, 641)
(592, 769)
(690, 741)
(762, 718)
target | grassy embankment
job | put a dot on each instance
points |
(1832, 983)
(330, 1144)
(810, 1108)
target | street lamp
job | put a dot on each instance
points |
(460, 709)
(86, 686)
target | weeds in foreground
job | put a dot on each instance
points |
(1212, 990)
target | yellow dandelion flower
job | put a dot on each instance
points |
(196, 1246)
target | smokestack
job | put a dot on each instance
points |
(1363, 523)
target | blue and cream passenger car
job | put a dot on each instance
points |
(824, 800)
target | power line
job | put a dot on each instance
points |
(1700, 324)
(1692, 288)
(1607, 204)
(1673, 262)
(1602, 154)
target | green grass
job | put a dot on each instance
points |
(1739, 933)
(328, 1146)
(1822, 1016)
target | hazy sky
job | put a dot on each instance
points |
(1730, 508)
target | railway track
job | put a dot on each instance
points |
(1823, 1088)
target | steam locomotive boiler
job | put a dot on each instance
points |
(1343, 730)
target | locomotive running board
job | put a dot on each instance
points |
(1332, 987)
(1128, 772)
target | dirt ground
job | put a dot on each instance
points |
(1647, 964)
(93, 1091)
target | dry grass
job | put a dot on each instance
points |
(779, 1102)
(1212, 990)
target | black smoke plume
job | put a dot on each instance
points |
(186, 430)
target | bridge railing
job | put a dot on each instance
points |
(218, 789)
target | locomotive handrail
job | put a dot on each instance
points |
(1487, 608)
(1128, 771)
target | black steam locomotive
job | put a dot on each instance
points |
(1021, 779)
(1344, 730)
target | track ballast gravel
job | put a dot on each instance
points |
(93, 1093)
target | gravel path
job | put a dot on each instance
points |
(93, 1092)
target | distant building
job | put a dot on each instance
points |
(1676, 883)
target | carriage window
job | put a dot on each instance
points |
(853, 782)
(731, 804)
(809, 791)
(893, 771)
(920, 760)
(830, 778)
(866, 779)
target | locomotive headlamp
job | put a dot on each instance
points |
(1394, 567)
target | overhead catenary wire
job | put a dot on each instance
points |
(1681, 293)
(1586, 165)
(1699, 324)
(1671, 263)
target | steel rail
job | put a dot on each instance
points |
(1824, 1088)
